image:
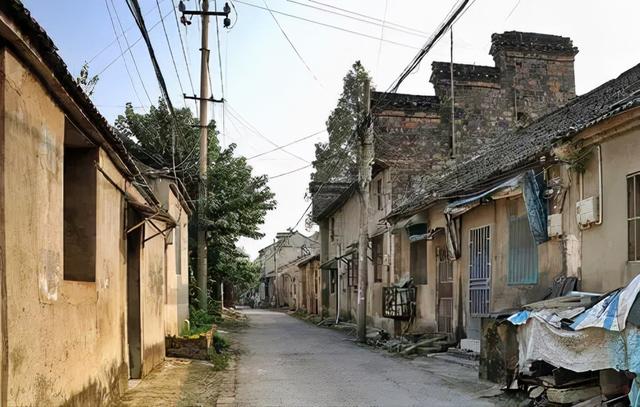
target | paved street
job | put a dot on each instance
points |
(290, 362)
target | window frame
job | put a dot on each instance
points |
(413, 264)
(377, 257)
(513, 277)
(379, 194)
(633, 216)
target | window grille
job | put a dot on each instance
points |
(377, 255)
(633, 216)
(479, 270)
(352, 270)
(523, 253)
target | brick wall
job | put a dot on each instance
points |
(533, 75)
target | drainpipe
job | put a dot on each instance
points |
(338, 286)
(600, 188)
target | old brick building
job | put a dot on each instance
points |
(532, 75)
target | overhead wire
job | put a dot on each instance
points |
(386, 7)
(362, 20)
(106, 47)
(239, 117)
(215, 6)
(373, 37)
(369, 17)
(291, 44)
(135, 64)
(126, 66)
(184, 54)
(289, 172)
(173, 60)
(121, 55)
(287, 145)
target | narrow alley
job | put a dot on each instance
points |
(286, 361)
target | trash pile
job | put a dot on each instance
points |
(580, 349)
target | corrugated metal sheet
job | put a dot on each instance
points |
(479, 270)
(523, 253)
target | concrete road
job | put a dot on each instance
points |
(288, 362)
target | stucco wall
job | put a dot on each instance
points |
(604, 247)
(67, 340)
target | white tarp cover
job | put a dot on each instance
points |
(580, 351)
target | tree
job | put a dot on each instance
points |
(336, 159)
(236, 202)
(87, 84)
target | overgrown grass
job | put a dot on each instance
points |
(219, 354)
(200, 321)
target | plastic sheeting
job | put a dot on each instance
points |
(536, 206)
(580, 351)
(611, 312)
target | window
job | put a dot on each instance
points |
(79, 212)
(377, 253)
(418, 265)
(352, 270)
(379, 194)
(523, 253)
(633, 216)
(332, 228)
(177, 242)
(334, 280)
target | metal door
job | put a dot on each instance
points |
(479, 270)
(444, 308)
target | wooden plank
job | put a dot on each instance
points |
(572, 395)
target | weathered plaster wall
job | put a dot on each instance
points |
(604, 247)
(152, 286)
(67, 340)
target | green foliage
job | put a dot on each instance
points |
(236, 202)
(341, 124)
(220, 360)
(220, 341)
(87, 84)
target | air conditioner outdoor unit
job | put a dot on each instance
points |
(587, 211)
(554, 225)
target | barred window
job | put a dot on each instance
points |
(633, 216)
(377, 252)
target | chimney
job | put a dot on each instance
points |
(536, 71)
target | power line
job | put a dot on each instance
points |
(369, 17)
(289, 172)
(173, 60)
(237, 115)
(106, 47)
(291, 44)
(132, 45)
(184, 53)
(286, 145)
(135, 64)
(126, 66)
(134, 7)
(429, 44)
(386, 7)
(362, 20)
(328, 25)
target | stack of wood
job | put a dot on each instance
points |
(551, 386)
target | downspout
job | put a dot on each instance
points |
(338, 286)
(600, 187)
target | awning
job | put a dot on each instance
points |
(331, 264)
(417, 219)
(457, 208)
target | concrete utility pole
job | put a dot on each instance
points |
(365, 155)
(202, 189)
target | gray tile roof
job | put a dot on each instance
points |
(515, 150)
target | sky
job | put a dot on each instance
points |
(282, 76)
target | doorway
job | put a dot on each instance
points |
(134, 332)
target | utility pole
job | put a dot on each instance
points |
(365, 155)
(204, 129)
(202, 190)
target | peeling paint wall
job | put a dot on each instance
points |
(66, 338)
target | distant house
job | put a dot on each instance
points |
(92, 255)
(287, 249)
